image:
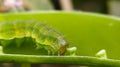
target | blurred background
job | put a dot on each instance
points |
(99, 6)
(109, 7)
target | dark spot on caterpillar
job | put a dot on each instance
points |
(42, 34)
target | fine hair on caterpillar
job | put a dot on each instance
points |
(44, 36)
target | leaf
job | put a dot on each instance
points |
(89, 32)
(76, 60)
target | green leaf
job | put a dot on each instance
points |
(88, 32)
(76, 60)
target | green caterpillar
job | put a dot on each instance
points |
(44, 36)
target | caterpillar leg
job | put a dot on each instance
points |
(58, 54)
(50, 52)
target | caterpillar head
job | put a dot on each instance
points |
(63, 45)
(61, 41)
(59, 38)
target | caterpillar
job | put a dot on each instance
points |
(44, 35)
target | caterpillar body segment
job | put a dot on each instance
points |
(44, 36)
(20, 29)
(7, 30)
(29, 28)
